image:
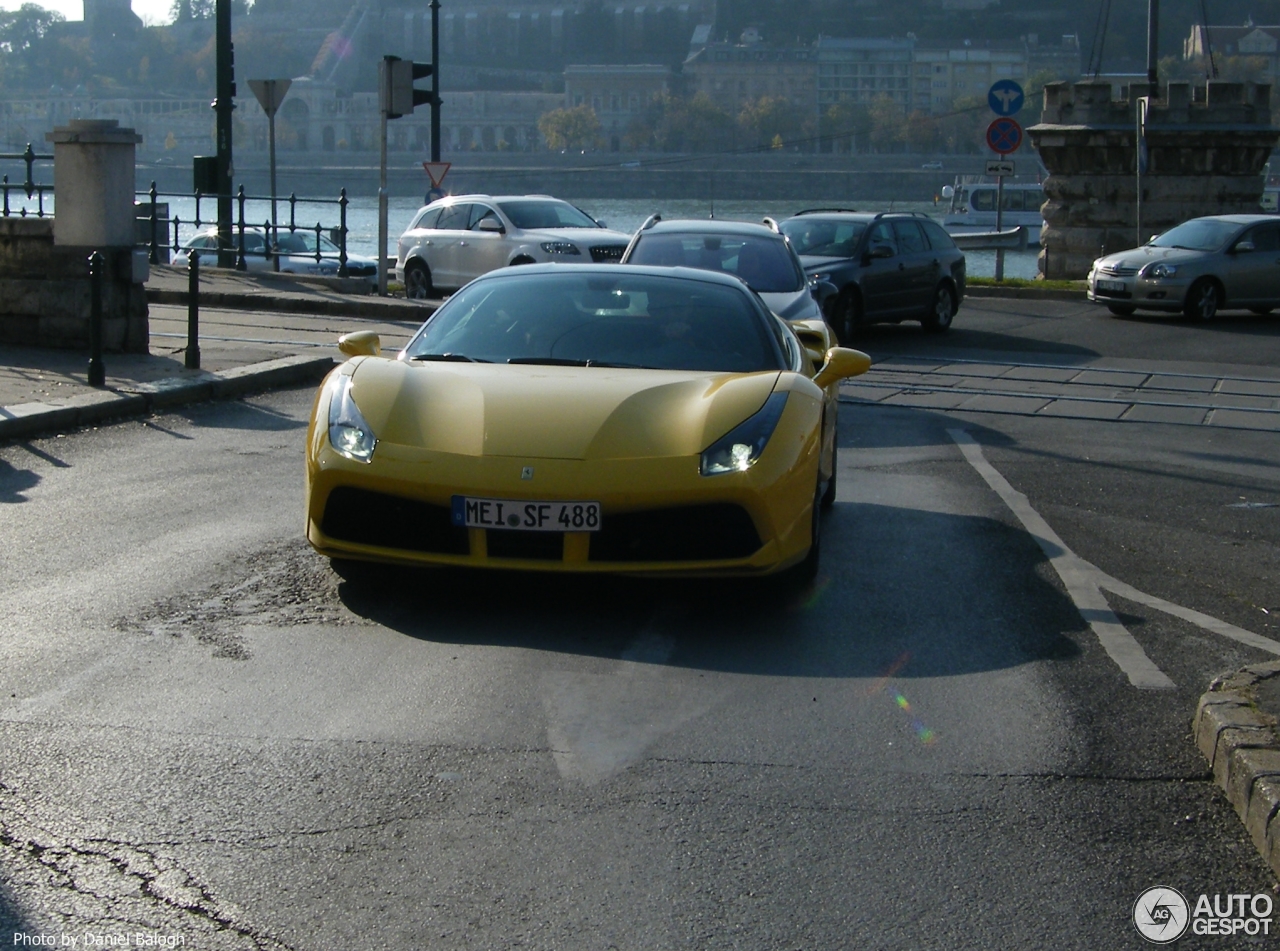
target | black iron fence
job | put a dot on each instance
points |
(160, 229)
(29, 189)
(250, 238)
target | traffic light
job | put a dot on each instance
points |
(400, 98)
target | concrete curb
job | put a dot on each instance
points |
(1242, 745)
(37, 419)
(376, 308)
(1023, 293)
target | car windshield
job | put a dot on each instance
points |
(832, 239)
(645, 320)
(1199, 234)
(531, 215)
(766, 264)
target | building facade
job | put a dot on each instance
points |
(733, 74)
(617, 94)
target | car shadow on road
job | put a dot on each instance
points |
(922, 593)
(907, 339)
(1231, 321)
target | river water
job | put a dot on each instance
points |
(621, 214)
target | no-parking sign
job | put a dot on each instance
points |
(1004, 135)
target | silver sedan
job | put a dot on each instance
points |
(1199, 267)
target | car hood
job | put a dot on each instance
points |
(794, 305)
(817, 262)
(479, 409)
(583, 236)
(1141, 257)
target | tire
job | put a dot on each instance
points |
(943, 311)
(848, 315)
(799, 576)
(1204, 297)
(417, 281)
(829, 496)
(1122, 310)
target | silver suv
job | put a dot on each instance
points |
(456, 239)
(1199, 267)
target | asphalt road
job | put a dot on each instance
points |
(207, 733)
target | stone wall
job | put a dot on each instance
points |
(45, 292)
(1206, 148)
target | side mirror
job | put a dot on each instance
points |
(600, 222)
(1245, 245)
(882, 251)
(842, 363)
(490, 224)
(823, 291)
(362, 343)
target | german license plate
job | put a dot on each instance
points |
(1113, 286)
(521, 515)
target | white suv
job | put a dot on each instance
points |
(456, 239)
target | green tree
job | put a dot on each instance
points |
(22, 39)
(921, 132)
(886, 123)
(576, 128)
(694, 125)
(770, 119)
(846, 125)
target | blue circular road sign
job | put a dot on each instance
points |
(1005, 97)
(1004, 136)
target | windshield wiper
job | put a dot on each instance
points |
(450, 357)
(615, 366)
(549, 362)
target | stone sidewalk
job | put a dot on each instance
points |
(257, 331)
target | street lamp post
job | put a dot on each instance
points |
(223, 105)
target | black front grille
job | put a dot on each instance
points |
(690, 533)
(542, 546)
(388, 521)
(607, 253)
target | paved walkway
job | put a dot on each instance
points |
(255, 331)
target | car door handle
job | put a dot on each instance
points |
(462, 244)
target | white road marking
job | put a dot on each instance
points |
(1078, 575)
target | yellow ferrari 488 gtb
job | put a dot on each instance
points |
(583, 418)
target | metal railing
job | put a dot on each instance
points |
(30, 188)
(169, 232)
(271, 231)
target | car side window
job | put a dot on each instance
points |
(1264, 238)
(910, 237)
(455, 217)
(938, 239)
(479, 213)
(427, 219)
(882, 235)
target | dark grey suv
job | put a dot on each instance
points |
(887, 267)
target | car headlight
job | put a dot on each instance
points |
(1160, 269)
(560, 247)
(349, 434)
(740, 448)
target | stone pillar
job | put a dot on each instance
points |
(93, 175)
(1206, 150)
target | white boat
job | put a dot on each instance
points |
(972, 207)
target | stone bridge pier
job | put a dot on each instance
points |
(1206, 148)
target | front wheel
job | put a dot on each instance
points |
(848, 315)
(942, 312)
(1204, 297)
(1122, 310)
(417, 281)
